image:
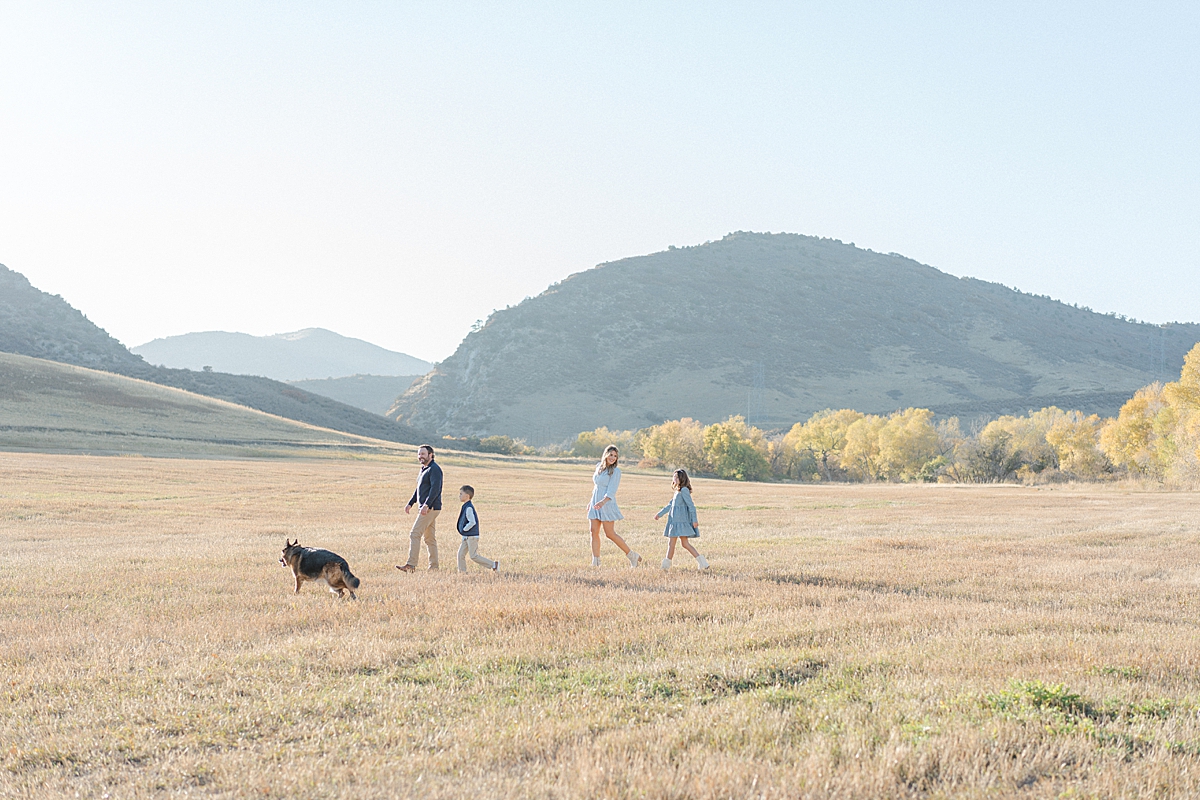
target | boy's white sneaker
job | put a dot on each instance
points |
(702, 562)
(666, 563)
(634, 558)
(595, 561)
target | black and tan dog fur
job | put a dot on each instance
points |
(310, 564)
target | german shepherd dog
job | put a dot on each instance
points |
(310, 564)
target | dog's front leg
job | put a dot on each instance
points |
(297, 585)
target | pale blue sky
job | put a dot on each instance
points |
(395, 171)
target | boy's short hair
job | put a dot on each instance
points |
(470, 490)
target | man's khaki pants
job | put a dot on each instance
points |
(424, 527)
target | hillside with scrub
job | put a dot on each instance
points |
(34, 323)
(780, 326)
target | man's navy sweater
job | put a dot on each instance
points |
(429, 488)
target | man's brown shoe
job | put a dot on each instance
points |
(406, 568)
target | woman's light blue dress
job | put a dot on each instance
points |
(606, 486)
(680, 513)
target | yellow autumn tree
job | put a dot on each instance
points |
(1184, 394)
(788, 462)
(1076, 442)
(908, 445)
(823, 436)
(1157, 433)
(1184, 398)
(591, 444)
(1140, 438)
(860, 456)
(1027, 447)
(674, 444)
(736, 450)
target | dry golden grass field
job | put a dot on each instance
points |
(849, 641)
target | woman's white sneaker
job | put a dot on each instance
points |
(702, 562)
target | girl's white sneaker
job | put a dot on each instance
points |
(666, 563)
(702, 562)
(595, 561)
(634, 558)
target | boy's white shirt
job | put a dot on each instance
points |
(470, 519)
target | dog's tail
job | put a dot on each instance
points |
(348, 576)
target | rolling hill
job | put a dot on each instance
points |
(780, 326)
(51, 407)
(310, 354)
(284, 400)
(36, 324)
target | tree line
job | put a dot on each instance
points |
(1156, 435)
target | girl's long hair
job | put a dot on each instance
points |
(681, 480)
(612, 448)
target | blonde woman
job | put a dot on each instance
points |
(603, 511)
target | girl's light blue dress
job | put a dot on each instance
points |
(606, 486)
(680, 513)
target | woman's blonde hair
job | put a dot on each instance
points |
(681, 480)
(612, 448)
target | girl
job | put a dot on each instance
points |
(603, 509)
(681, 520)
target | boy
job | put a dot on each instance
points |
(468, 528)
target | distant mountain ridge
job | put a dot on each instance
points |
(779, 326)
(374, 393)
(34, 323)
(309, 354)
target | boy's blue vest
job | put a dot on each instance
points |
(462, 520)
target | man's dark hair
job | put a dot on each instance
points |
(426, 447)
(470, 490)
